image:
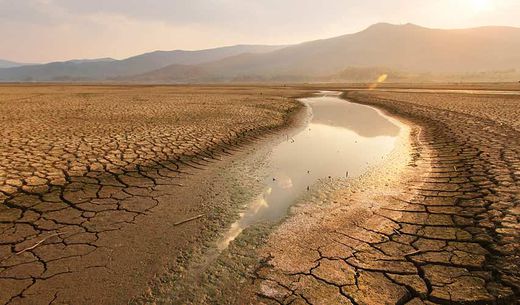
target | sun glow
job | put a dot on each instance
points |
(482, 5)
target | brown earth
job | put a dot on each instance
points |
(93, 179)
(443, 228)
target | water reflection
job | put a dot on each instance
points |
(364, 121)
(341, 139)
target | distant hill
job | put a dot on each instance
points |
(82, 61)
(9, 64)
(107, 68)
(410, 49)
(404, 52)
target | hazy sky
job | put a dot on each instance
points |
(47, 30)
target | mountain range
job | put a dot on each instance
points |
(9, 64)
(106, 68)
(404, 52)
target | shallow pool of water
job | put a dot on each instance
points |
(341, 140)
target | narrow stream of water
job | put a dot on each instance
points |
(341, 140)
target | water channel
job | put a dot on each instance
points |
(341, 140)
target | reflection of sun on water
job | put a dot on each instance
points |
(237, 227)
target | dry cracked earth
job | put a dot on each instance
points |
(449, 234)
(91, 176)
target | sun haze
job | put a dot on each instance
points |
(67, 29)
(482, 5)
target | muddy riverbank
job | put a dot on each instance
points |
(443, 231)
(93, 180)
(299, 170)
(436, 223)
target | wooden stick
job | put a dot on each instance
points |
(188, 220)
(40, 242)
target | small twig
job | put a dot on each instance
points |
(40, 242)
(188, 220)
(397, 231)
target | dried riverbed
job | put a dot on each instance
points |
(443, 229)
(340, 139)
(437, 223)
(93, 179)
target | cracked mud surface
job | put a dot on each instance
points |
(443, 228)
(93, 177)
